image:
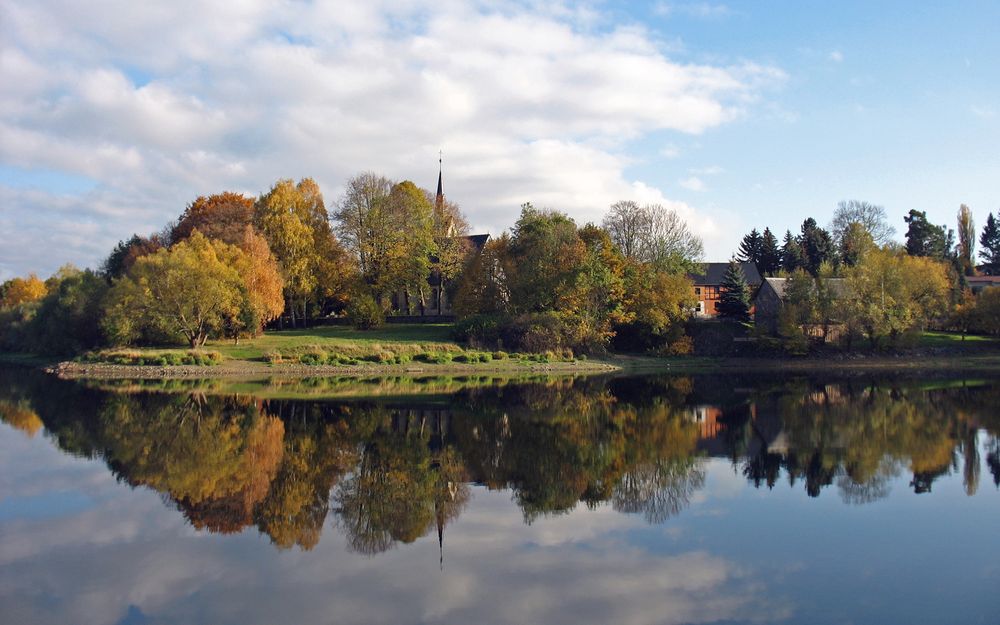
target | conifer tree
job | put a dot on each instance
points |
(989, 242)
(770, 254)
(750, 248)
(734, 295)
(791, 253)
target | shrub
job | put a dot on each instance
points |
(365, 313)
(479, 330)
(313, 357)
(466, 358)
(499, 355)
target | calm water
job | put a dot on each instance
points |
(700, 499)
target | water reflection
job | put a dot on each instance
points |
(390, 472)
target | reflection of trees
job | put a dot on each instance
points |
(404, 484)
(862, 435)
(659, 490)
(398, 472)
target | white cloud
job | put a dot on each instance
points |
(702, 10)
(985, 112)
(157, 105)
(692, 183)
(836, 56)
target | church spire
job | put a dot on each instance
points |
(439, 198)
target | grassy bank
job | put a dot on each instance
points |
(428, 350)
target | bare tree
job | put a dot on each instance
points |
(871, 217)
(653, 234)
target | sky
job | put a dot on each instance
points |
(114, 114)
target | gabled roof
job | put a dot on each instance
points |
(838, 286)
(478, 240)
(713, 273)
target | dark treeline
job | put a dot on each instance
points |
(393, 472)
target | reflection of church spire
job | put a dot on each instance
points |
(440, 527)
(439, 198)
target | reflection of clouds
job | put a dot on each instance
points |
(89, 567)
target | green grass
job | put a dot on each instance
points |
(954, 340)
(406, 339)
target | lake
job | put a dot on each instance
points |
(729, 498)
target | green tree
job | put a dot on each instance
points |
(925, 239)
(817, 246)
(792, 257)
(770, 254)
(126, 253)
(989, 245)
(855, 242)
(751, 248)
(734, 294)
(389, 229)
(68, 319)
(187, 291)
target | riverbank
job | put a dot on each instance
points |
(426, 350)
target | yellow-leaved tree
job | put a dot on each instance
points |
(192, 290)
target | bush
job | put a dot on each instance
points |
(313, 357)
(479, 330)
(365, 313)
(499, 355)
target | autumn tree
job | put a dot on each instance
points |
(262, 288)
(389, 228)
(189, 291)
(965, 250)
(855, 242)
(18, 291)
(222, 216)
(891, 293)
(294, 221)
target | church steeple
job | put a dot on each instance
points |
(439, 198)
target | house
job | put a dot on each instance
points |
(770, 299)
(708, 282)
(978, 283)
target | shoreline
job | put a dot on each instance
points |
(622, 364)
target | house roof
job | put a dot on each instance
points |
(983, 280)
(838, 286)
(478, 240)
(713, 273)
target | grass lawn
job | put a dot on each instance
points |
(953, 340)
(398, 338)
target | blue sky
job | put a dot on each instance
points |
(115, 115)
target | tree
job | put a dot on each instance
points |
(19, 291)
(855, 242)
(791, 253)
(751, 248)
(221, 216)
(989, 242)
(187, 291)
(293, 219)
(126, 253)
(389, 229)
(734, 295)
(966, 241)
(68, 319)
(770, 254)
(817, 246)
(891, 293)
(925, 239)
(263, 286)
(871, 218)
(653, 234)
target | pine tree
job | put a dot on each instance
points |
(791, 253)
(734, 294)
(770, 254)
(750, 248)
(817, 246)
(989, 242)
